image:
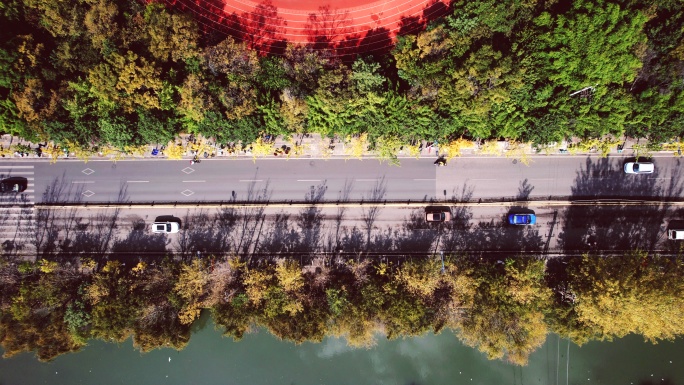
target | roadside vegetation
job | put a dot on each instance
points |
(102, 74)
(503, 307)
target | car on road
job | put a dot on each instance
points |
(522, 219)
(13, 185)
(639, 168)
(675, 234)
(434, 215)
(165, 227)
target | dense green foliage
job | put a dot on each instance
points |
(505, 308)
(124, 73)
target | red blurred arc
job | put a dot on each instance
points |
(340, 26)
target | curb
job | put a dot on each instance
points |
(408, 203)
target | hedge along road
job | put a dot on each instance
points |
(298, 180)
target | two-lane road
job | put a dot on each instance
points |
(415, 179)
(561, 228)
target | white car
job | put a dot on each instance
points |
(165, 227)
(438, 216)
(675, 234)
(639, 168)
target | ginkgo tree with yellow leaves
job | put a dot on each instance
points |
(505, 308)
(634, 293)
(146, 73)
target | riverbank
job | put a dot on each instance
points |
(261, 359)
(504, 306)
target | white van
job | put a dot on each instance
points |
(676, 235)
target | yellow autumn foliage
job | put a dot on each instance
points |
(356, 146)
(455, 147)
(290, 277)
(191, 288)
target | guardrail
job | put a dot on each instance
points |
(550, 201)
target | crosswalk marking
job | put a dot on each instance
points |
(19, 173)
(17, 213)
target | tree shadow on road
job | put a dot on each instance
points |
(496, 235)
(524, 191)
(61, 234)
(201, 234)
(95, 237)
(456, 236)
(248, 231)
(140, 243)
(333, 243)
(370, 214)
(306, 239)
(230, 231)
(416, 236)
(48, 222)
(617, 227)
(310, 221)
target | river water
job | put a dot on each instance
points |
(431, 359)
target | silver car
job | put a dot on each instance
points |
(639, 168)
(165, 227)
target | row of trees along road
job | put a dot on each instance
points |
(124, 73)
(503, 307)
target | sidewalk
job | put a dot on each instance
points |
(314, 146)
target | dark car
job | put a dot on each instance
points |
(13, 185)
(522, 219)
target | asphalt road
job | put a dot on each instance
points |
(565, 229)
(270, 230)
(296, 179)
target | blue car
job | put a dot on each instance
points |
(522, 219)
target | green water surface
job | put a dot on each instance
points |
(431, 359)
